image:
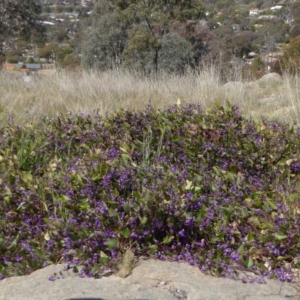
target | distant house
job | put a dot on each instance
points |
(276, 7)
(33, 67)
(271, 18)
(254, 12)
(48, 23)
(9, 67)
(22, 67)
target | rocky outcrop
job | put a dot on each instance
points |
(150, 279)
(267, 80)
(233, 86)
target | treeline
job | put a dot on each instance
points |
(170, 36)
(151, 36)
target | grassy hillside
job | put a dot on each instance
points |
(106, 92)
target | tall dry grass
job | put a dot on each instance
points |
(90, 92)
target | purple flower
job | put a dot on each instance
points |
(112, 153)
(283, 275)
(51, 278)
(18, 258)
(235, 256)
(134, 235)
(68, 243)
(295, 167)
(182, 233)
(189, 196)
(190, 221)
(106, 180)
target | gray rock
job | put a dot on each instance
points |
(150, 279)
(270, 79)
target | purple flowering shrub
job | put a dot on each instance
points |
(207, 187)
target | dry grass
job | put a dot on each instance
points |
(106, 92)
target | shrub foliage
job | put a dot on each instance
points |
(207, 187)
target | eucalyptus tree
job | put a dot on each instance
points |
(104, 42)
(176, 54)
(149, 20)
(18, 19)
(130, 33)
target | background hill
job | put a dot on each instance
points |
(253, 35)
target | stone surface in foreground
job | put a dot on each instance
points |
(151, 279)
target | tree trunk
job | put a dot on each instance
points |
(155, 61)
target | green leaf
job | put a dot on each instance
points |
(3, 270)
(262, 266)
(248, 201)
(104, 260)
(272, 204)
(241, 249)
(126, 207)
(123, 149)
(116, 192)
(85, 146)
(126, 232)
(146, 198)
(249, 262)
(236, 232)
(47, 236)
(188, 185)
(153, 249)
(72, 252)
(125, 158)
(250, 236)
(20, 205)
(258, 203)
(281, 257)
(27, 177)
(168, 239)
(280, 236)
(103, 255)
(7, 191)
(214, 187)
(266, 225)
(218, 238)
(112, 243)
(254, 220)
(143, 220)
(219, 271)
(85, 206)
(297, 263)
(63, 198)
(14, 242)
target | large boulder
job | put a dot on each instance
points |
(270, 79)
(151, 279)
